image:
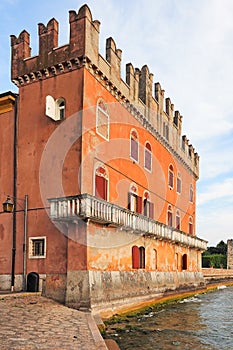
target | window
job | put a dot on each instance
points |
(155, 260)
(102, 120)
(37, 247)
(148, 207)
(177, 220)
(134, 145)
(178, 183)
(142, 257)
(135, 257)
(134, 201)
(177, 261)
(101, 183)
(166, 131)
(148, 157)
(184, 262)
(60, 106)
(191, 193)
(169, 216)
(190, 229)
(171, 176)
(55, 109)
(138, 257)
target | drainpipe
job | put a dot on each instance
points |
(14, 192)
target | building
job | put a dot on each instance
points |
(106, 179)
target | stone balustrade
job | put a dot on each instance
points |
(86, 206)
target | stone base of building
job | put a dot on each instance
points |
(110, 290)
(5, 283)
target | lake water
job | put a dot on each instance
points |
(201, 322)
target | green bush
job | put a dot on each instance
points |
(214, 260)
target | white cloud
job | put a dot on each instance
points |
(216, 191)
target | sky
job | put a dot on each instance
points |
(187, 45)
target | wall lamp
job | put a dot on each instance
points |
(9, 207)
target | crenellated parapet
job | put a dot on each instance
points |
(144, 99)
(84, 38)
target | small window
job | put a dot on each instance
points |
(134, 201)
(148, 157)
(191, 193)
(155, 259)
(177, 220)
(171, 176)
(177, 261)
(134, 145)
(190, 230)
(169, 216)
(148, 207)
(101, 183)
(178, 183)
(37, 247)
(60, 106)
(102, 120)
(55, 109)
(166, 131)
(142, 257)
(138, 257)
(184, 262)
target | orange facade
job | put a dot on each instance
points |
(110, 181)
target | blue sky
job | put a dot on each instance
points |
(187, 45)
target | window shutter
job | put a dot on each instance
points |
(151, 211)
(139, 205)
(100, 187)
(129, 200)
(50, 107)
(135, 257)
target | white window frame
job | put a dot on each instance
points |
(150, 152)
(106, 114)
(131, 157)
(30, 252)
(179, 179)
(53, 108)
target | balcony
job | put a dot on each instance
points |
(85, 207)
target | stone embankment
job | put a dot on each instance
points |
(217, 276)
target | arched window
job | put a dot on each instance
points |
(155, 257)
(190, 226)
(169, 216)
(142, 257)
(101, 183)
(138, 257)
(177, 220)
(148, 207)
(60, 108)
(191, 193)
(171, 176)
(55, 109)
(134, 145)
(177, 261)
(178, 183)
(135, 257)
(184, 262)
(134, 201)
(102, 119)
(147, 157)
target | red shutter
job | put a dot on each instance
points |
(135, 257)
(101, 187)
(139, 205)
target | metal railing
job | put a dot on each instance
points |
(86, 206)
